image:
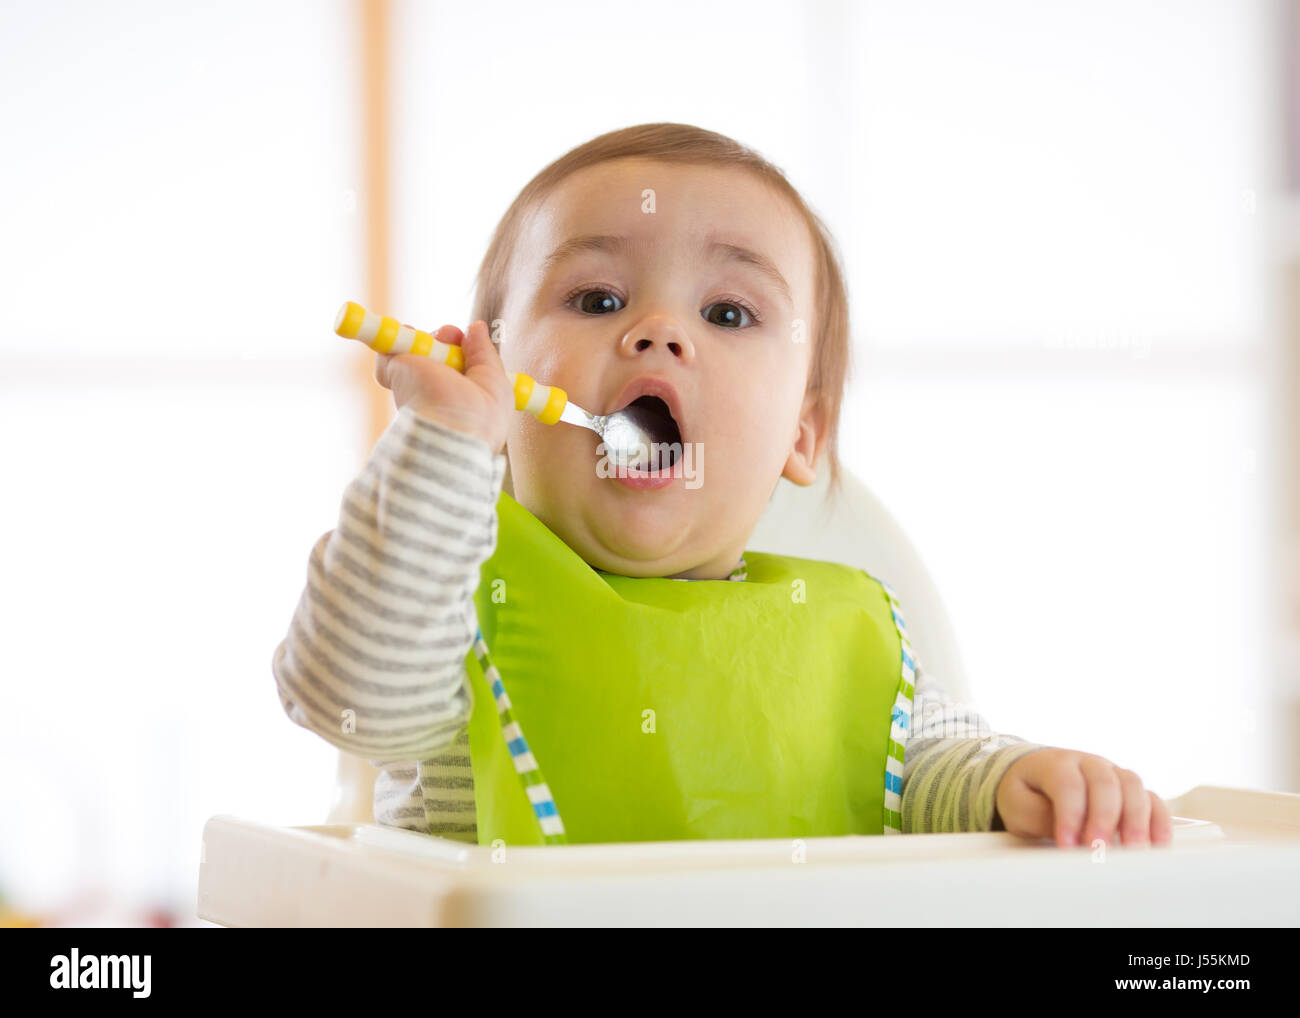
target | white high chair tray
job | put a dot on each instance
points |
(1234, 861)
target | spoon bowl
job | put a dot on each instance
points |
(641, 436)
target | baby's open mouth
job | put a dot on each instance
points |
(653, 415)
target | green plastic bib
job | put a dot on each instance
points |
(662, 709)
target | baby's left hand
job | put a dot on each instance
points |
(1046, 794)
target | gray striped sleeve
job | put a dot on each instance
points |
(952, 763)
(374, 660)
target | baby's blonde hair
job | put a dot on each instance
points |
(683, 143)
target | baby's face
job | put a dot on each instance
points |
(663, 304)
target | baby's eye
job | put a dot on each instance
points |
(604, 304)
(735, 315)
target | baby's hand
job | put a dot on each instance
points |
(1046, 794)
(479, 402)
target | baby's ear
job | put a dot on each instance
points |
(801, 466)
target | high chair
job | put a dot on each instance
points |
(1239, 848)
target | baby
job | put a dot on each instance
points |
(469, 628)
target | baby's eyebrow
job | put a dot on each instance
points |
(592, 242)
(611, 244)
(765, 265)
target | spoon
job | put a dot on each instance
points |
(629, 434)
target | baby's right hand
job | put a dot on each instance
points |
(478, 403)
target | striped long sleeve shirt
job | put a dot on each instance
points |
(374, 660)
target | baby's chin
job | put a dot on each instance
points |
(644, 541)
(637, 537)
(618, 529)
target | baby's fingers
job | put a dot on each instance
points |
(1089, 798)
(1105, 799)
(445, 334)
(1135, 824)
(1063, 783)
(1162, 821)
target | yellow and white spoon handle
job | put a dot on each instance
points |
(387, 335)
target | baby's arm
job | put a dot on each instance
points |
(374, 661)
(952, 763)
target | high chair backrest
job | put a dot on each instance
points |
(853, 528)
